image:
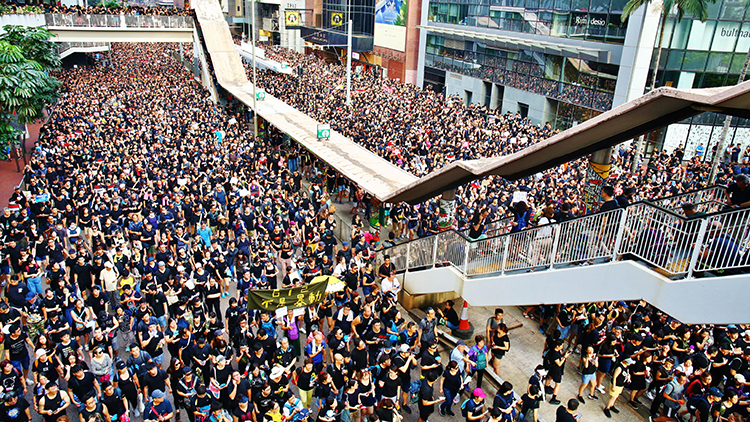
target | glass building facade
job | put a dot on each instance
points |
(594, 20)
(571, 80)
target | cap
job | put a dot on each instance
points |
(344, 243)
(187, 370)
(740, 378)
(41, 352)
(404, 348)
(622, 303)
(244, 399)
(151, 259)
(108, 264)
(277, 371)
(478, 393)
(120, 365)
(161, 263)
(157, 394)
(713, 391)
(460, 343)
(30, 296)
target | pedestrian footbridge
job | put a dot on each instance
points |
(697, 270)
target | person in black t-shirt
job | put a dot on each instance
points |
(15, 409)
(608, 194)
(81, 385)
(426, 401)
(567, 414)
(478, 221)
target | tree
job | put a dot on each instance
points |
(26, 57)
(695, 8)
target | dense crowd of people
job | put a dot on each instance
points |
(153, 210)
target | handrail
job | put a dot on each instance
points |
(673, 244)
(117, 21)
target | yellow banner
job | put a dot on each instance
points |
(337, 18)
(291, 18)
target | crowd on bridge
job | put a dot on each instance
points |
(151, 211)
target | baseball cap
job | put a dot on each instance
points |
(478, 393)
(157, 394)
(404, 348)
(713, 391)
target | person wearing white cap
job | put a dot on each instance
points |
(620, 378)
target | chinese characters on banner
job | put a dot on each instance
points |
(596, 175)
(296, 297)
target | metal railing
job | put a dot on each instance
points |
(670, 243)
(707, 200)
(62, 46)
(118, 21)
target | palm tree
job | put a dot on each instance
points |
(722, 145)
(696, 8)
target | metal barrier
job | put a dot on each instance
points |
(712, 199)
(672, 244)
(118, 21)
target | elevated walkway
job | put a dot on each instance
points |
(694, 269)
(119, 28)
(375, 175)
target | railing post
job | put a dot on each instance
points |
(620, 233)
(697, 248)
(555, 242)
(467, 251)
(505, 254)
(434, 249)
(408, 255)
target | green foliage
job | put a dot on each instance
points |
(26, 57)
(20, 10)
(111, 4)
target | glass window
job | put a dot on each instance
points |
(737, 62)
(675, 59)
(560, 23)
(617, 5)
(680, 33)
(695, 60)
(616, 29)
(725, 36)
(733, 11)
(719, 62)
(601, 6)
(578, 24)
(700, 35)
(743, 41)
(562, 4)
(547, 4)
(532, 4)
(553, 67)
(597, 26)
(667, 30)
(711, 80)
(582, 5)
(713, 9)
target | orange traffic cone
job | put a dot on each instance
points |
(464, 323)
(465, 330)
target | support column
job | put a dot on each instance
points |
(446, 221)
(597, 173)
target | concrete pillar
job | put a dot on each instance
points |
(597, 173)
(414, 13)
(447, 207)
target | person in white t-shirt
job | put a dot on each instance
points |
(390, 284)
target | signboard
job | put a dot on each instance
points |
(296, 297)
(390, 24)
(324, 131)
(292, 19)
(596, 174)
(260, 95)
(337, 18)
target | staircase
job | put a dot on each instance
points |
(648, 250)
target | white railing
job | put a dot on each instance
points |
(670, 243)
(707, 200)
(117, 21)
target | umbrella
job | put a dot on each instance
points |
(334, 284)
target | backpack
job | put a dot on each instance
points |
(522, 221)
(414, 390)
(480, 358)
(464, 409)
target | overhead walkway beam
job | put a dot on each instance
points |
(93, 35)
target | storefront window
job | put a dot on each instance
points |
(700, 35)
(719, 62)
(694, 61)
(675, 59)
(725, 36)
(680, 33)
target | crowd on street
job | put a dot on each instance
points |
(151, 211)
